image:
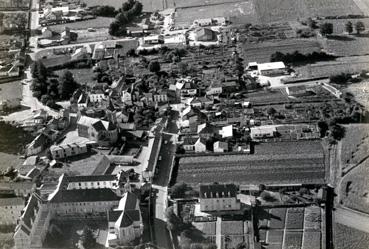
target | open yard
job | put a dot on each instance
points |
(81, 75)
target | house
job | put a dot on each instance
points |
(152, 39)
(263, 132)
(10, 210)
(202, 102)
(268, 69)
(215, 88)
(37, 145)
(103, 132)
(203, 22)
(189, 143)
(186, 87)
(160, 97)
(226, 131)
(63, 151)
(205, 34)
(97, 97)
(200, 145)
(126, 98)
(219, 197)
(207, 130)
(220, 147)
(91, 181)
(296, 90)
(125, 222)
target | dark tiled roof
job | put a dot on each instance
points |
(31, 209)
(91, 178)
(218, 191)
(154, 151)
(99, 126)
(129, 217)
(114, 215)
(85, 195)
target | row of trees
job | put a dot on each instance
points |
(297, 57)
(327, 27)
(48, 89)
(126, 14)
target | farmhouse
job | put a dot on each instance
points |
(68, 150)
(219, 197)
(263, 132)
(296, 90)
(103, 132)
(205, 34)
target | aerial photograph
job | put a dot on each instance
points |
(184, 124)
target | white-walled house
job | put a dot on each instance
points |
(219, 197)
(68, 150)
(200, 145)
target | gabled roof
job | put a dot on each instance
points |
(84, 195)
(129, 216)
(218, 191)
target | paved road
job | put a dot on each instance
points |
(352, 219)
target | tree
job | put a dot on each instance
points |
(154, 66)
(179, 190)
(349, 27)
(323, 128)
(87, 238)
(182, 67)
(360, 27)
(39, 71)
(44, 99)
(173, 221)
(271, 111)
(337, 131)
(326, 28)
(67, 85)
(311, 23)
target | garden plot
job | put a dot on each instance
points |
(311, 240)
(292, 240)
(312, 218)
(275, 237)
(295, 218)
(277, 218)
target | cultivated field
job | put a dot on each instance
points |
(340, 65)
(99, 22)
(261, 52)
(348, 46)
(148, 5)
(286, 164)
(350, 238)
(263, 11)
(243, 9)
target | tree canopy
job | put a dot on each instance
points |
(326, 28)
(360, 27)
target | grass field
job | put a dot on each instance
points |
(82, 75)
(261, 52)
(360, 92)
(348, 46)
(355, 188)
(11, 90)
(340, 65)
(355, 144)
(350, 238)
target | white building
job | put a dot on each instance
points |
(220, 147)
(263, 132)
(68, 150)
(219, 197)
(267, 69)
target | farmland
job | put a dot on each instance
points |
(355, 145)
(350, 238)
(148, 5)
(348, 46)
(262, 11)
(355, 186)
(99, 22)
(290, 227)
(261, 52)
(282, 166)
(340, 65)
